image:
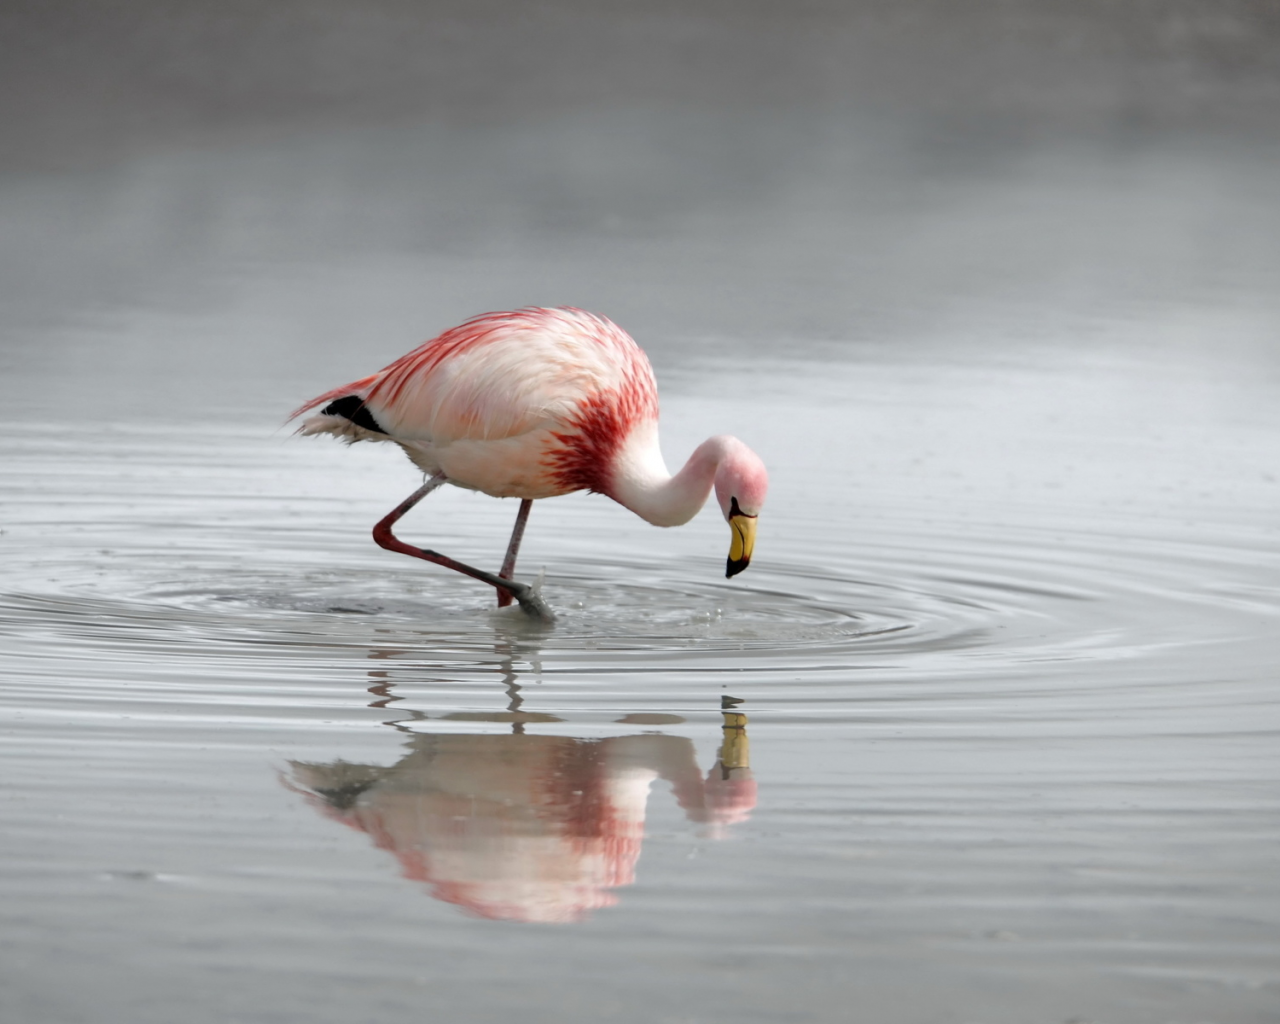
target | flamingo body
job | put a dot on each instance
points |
(529, 404)
(533, 404)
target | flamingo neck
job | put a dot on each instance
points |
(642, 483)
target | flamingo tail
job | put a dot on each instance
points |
(329, 396)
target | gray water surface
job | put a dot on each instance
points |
(1005, 747)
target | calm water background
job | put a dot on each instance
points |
(996, 298)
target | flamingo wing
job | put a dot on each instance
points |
(502, 375)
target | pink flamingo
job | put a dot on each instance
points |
(531, 404)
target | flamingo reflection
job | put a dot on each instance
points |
(526, 827)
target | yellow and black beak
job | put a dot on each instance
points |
(742, 543)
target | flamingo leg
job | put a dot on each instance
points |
(517, 535)
(530, 601)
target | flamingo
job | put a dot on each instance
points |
(531, 404)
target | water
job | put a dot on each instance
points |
(988, 732)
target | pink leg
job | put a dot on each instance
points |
(517, 535)
(529, 600)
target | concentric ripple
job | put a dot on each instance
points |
(254, 577)
(1006, 600)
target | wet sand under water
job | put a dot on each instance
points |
(1002, 743)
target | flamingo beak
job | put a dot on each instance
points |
(742, 543)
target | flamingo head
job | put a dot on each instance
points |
(741, 485)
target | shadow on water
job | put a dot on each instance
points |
(519, 827)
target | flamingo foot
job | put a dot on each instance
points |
(530, 601)
(526, 595)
